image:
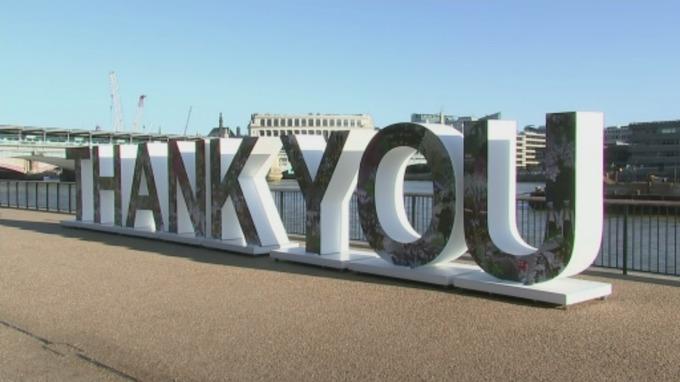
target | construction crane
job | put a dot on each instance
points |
(186, 126)
(140, 113)
(116, 107)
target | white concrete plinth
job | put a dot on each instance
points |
(236, 246)
(440, 274)
(335, 260)
(565, 291)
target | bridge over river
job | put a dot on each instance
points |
(32, 150)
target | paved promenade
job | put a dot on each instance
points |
(78, 305)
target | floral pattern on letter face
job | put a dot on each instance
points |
(432, 242)
(551, 258)
(178, 179)
(314, 188)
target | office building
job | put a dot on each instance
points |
(614, 135)
(276, 125)
(655, 148)
(530, 147)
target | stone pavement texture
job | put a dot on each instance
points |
(79, 305)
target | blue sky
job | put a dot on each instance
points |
(386, 58)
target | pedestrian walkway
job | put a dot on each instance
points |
(80, 305)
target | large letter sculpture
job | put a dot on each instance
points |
(101, 155)
(187, 206)
(326, 173)
(573, 162)
(238, 169)
(159, 190)
(145, 195)
(214, 194)
(83, 175)
(380, 194)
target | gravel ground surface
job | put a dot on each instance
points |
(79, 305)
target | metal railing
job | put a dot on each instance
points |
(637, 235)
(52, 196)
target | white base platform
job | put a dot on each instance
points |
(441, 274)
(236, 246)
(564, 291)
(335, 260)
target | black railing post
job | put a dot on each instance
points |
(58, 197)
(69, 198)
(47, 196)
(36, 196)
(625, 240)
(281, 204)
(26, 194)
(413, 211)
(16, 194)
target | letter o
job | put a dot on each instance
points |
(380, 194)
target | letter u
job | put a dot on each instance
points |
(573, 165)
